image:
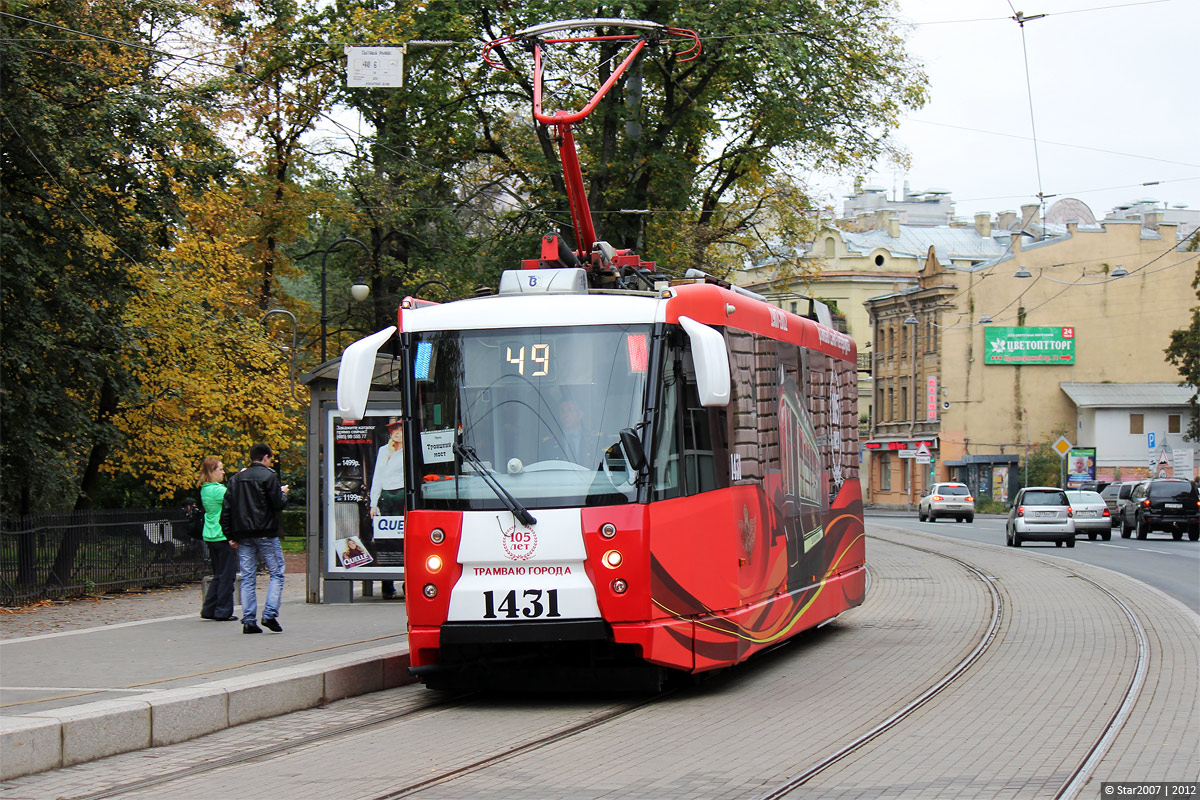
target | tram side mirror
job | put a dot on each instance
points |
(711, 360)
(632, 446)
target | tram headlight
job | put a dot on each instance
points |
(434, 563)
(612, 559)
(437, 536)
(608, 530)
(430, 591)
(619, 586)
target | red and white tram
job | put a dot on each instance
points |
(662, 478)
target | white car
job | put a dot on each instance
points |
(1092, 515)
(947, 500)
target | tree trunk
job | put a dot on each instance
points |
(68, 549)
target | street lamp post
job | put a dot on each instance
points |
(417, 291)
(291, 351)
(356, 290)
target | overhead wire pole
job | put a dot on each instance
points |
(1020, 18)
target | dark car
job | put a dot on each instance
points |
(1162, 504)
(1116, 495)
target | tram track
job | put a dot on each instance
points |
(525, 747)
(435, 706)
(985, 641)
(995, 609)
(1081, 774)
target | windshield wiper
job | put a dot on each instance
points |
(467, 454)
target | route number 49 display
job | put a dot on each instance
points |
(529, 605)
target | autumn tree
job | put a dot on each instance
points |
(710, 152)
(93, 123)
(1184, 351)
(210, 378)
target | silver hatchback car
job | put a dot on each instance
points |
(1041, 514)
(947, 500)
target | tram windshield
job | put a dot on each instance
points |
(541, 409)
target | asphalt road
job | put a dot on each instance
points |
(1159, 561)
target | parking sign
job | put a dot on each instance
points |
(1149, 441)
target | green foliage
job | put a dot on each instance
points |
(154, 207)
(1184, 352)
(987, 505)
(91, 133)
(1044, 462)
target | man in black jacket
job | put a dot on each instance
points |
(250, 519)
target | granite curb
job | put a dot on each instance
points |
(66, 736)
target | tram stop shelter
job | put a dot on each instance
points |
(344, 542)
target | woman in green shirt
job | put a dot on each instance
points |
(218, 602)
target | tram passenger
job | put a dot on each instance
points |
(250, 517)
(218, 601)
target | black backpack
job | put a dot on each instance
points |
(193, 516)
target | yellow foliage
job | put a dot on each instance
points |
(211, 382)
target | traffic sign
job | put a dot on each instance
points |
(1150, 441)
(1063, 446)
(923, 450)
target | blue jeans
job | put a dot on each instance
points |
(271, 551)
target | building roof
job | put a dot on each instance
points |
(1125, 395)
(950, 243)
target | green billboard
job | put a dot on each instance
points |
(1029, 345)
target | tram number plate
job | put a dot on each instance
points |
(531, 604)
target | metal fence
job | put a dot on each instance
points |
(71, 554)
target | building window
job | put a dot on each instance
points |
(1173, 423)
(1136, 424)
(885, 473)
(904, 341)
(891, 413)
(907, 473)
(903, 402)
(829, 253)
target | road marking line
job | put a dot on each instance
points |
(1118, 546)
(74, 689)
(1160, 552)
(98, 628)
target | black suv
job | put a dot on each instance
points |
(1164, 504)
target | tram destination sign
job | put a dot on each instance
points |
(1053, 345)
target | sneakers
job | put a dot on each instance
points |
(273, 624)
(250, 627)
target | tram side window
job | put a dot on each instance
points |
(690, 449)
(666, 441)
(749, 365)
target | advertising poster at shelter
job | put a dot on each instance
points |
(365, 494)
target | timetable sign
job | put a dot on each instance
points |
(374, 66)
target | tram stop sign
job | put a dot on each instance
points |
(1063, 446)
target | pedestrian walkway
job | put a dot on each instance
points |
(89, 678)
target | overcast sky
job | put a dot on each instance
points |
(1115, 104)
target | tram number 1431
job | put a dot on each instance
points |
(529, 606)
